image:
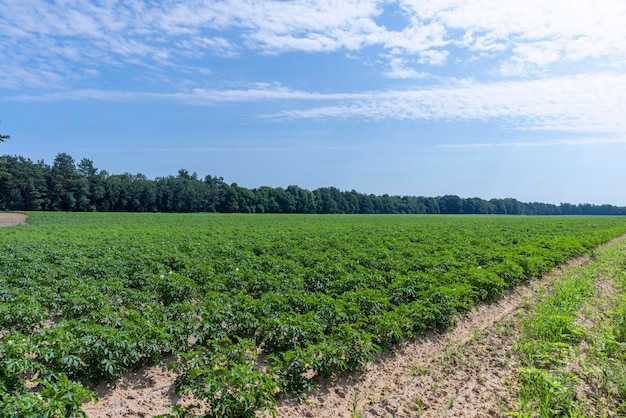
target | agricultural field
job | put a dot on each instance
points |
(250, 307)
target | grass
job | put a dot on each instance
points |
(354, 412)
(572, 345)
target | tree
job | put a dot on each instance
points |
(95, 181)
(68, 191)
(22, 184)
(4, 137)
(450, 204)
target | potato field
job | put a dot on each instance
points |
(252, 307)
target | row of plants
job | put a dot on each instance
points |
(253, 307)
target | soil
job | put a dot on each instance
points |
(12, 219)
(465, 372)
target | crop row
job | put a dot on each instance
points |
(252, 306)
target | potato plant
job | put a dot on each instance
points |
(253, 307)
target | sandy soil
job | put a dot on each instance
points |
(465, 372)
(142, 394)
(12, 219)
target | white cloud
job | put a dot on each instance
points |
(58, 47)
(536, 33)
(531, 144)
(433, 57)
(525, 37)
(399, 68)
(590, 102)
(582, 103)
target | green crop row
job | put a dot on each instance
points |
(252, 306)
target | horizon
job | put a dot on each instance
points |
(478, 98)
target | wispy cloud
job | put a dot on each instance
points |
(589, 102)
(221, 149)
(535, 144)
(68, 39)
(581, 103)
(252, 149)
(399, 68)
(543, 65)
(530, 35)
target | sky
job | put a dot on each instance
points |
(475, 98)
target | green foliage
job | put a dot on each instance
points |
(81, 187)
(290, 330)
(224, 375)
(620, 323)
(252, 307)
(550, 329)
(577, 335)
(55, 395)
(547, 393)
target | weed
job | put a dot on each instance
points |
(553, 343)
(476, 334)
(418, 370)
(354, 412)
(418, 406)
(549, 393)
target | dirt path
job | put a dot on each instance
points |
(12, 219)
(462, 373)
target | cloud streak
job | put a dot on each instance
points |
(535, 144)
(581, 103)
(587, 102)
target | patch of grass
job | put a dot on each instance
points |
(418, 370)
(548, 393)
(418, 406)
(606, 348)
(575, 338)
(354, 412)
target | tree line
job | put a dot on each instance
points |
(69, 186)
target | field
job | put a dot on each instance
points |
(250, 307)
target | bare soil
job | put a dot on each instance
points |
(12, 219)
(465, 372)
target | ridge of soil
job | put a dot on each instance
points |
(12, 219)
(464, 372)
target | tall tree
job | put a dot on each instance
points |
(95, 182)
(67, 189)
(22, 184)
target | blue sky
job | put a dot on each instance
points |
(486, 98)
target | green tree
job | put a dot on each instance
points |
(4, 137)
(22, 183)
(68, 191)
(95, 181)
(450, 204)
